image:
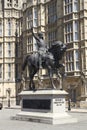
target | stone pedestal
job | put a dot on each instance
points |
(46, 106)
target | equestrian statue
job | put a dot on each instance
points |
(47, 58)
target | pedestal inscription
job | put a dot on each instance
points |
(59, 102)
(58, 105)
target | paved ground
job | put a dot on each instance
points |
(7, 124)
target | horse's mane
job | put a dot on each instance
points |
(56, 43)
(55, 49)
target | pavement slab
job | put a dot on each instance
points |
(7, 124)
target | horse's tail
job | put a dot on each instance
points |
(25, 63)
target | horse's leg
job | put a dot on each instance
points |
(40, 81)
(51, 78)
(30, 87)
(34, 71)
(30, 76)
(60, 79)
(31, 83)
(60, 75)
(25, 63)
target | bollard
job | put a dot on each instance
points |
(69, 106)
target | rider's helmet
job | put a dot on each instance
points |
(40, 35)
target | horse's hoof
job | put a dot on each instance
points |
(61, 89)
(34, 89)
(30, 89)
(53, 88)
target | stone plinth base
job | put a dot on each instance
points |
(47, 118)
(45, 106)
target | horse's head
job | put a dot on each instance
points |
(57, 49)
(59, 46)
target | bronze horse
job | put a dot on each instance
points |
(50, 61)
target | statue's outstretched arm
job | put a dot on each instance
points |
(36, 37)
